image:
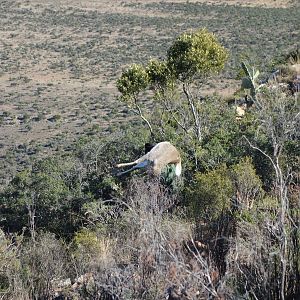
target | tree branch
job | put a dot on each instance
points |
(139, 110)
(262, 152)
(175, 119)
(194, 112)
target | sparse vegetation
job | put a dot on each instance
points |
(71, 229)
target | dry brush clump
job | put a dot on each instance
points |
(152, 252)
(44, 261)
(248, 262)
(91, 251)
(254, 258)
(11, 285)
(30, 268)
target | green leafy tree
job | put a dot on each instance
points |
(193, 57)
(132, 82)
(196, 54)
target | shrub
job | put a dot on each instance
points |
(91, 251)
(44, 196)
(152, 255)
(11, 285)
(210, 194)
(44, 261)
(248, 186)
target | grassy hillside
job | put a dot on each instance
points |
(60, 60)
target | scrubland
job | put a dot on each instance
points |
(81, 84)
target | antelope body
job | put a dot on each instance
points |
(156, 159)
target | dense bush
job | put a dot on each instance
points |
(45, 197)
(57, 193)
(211, 194)
(196, 54)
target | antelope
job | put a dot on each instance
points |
(156, 159)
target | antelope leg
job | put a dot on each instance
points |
(126, 164)
(140, 165)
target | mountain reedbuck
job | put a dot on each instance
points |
(156, 159)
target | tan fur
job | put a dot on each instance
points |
(158, 157)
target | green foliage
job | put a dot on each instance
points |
(169, 178)
(48, 180)
(14, 201)
(86, 239)
(248, 185)
(57, 192)
(210, 193)
(196, 54)
(269, 202)
(91, 250)
(159, 74)
(49, 194)
(99, 157)
(222, 136)
(132, 81)
(251, 82)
